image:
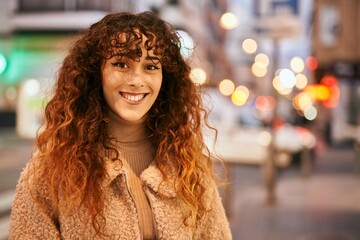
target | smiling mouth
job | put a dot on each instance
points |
(133, 97)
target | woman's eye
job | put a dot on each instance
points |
(120, 64)
(152, 67)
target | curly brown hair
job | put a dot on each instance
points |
(74, 137)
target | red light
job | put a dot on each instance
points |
(329, 80)
(311, 63)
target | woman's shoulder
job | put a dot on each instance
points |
(33, 177)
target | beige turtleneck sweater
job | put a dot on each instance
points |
(136, 153)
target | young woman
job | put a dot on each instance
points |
(121, 154)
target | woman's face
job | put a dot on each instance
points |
(131, 87)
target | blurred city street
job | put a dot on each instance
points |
(325, 205)
(281, 81)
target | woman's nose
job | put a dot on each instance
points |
(136, 79)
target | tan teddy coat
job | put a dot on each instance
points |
(29, 221)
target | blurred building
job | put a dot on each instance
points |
(336, 45)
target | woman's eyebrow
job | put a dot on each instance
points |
(152, 58)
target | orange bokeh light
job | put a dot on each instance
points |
(326, 92)
(318, 92)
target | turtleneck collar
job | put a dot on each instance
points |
(126, 131)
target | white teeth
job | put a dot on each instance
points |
(133, 98)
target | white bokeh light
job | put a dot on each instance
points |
(287, 78)
(187, 44)
(198, 76)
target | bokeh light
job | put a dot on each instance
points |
(243, 89)
(239, 97)
(226, 87)
(301, 81)
(284, 90)
(280, 87)
(276, 82)
(198, 76)
(264, 138)
(331, 83)
(297, 64)
(187, 44)
(249, 45)
(258, 69)
(311, 63)
(318, 92)
(287, 78)
(262, 60)
(302, 101)
(329, 80)
(228, 21)
(3, 63)
(310, 113)
(265, 103)
(31, 87)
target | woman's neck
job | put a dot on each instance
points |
(126, 131)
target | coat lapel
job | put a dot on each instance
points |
(154, 179)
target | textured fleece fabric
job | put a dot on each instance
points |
(29, 221)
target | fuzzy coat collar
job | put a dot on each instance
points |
(151, 177)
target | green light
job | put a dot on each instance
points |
(3, 63)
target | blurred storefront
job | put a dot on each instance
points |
(336, 45)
